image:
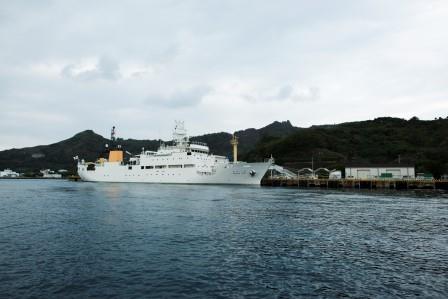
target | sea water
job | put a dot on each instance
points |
(63, 239)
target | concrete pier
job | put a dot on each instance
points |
(356, 183)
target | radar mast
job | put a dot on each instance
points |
(180, 137)
(112, 134)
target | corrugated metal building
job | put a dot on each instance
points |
(380, 171)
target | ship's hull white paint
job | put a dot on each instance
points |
(184, 162)
(238, 173)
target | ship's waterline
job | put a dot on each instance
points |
(184, 162)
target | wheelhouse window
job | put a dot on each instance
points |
(160, 166)
(149, 167)
(199, 151)
(188, 165)
(175, 166)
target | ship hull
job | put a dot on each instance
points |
(240, 173)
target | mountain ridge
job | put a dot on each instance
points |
(382, 140)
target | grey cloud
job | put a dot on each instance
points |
(286, 93)
(305, 94)
(275, 51)
(106, 69)
(296, 94)
(180, 99)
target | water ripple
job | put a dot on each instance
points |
(65, 239)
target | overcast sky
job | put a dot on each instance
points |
(67, 66)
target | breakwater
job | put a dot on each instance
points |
(356, 183)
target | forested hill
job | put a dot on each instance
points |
(383, 140)
(88, 145)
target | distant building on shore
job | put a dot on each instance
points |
(380, 171)
(8, 173)
(50, 174)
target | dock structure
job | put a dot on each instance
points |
(393, 184)
(74, 178)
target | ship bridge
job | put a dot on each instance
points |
(199, 147)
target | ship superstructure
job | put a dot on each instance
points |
(183, 162)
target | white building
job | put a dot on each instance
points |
(384, 171)
(8, 173)
(50, 174)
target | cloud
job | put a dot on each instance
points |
(218, 66)
(297, 94)
(180, 99)
(106, 68)
(291, 93)
(285, 92)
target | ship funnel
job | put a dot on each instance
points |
(115, 156)
(234, 143)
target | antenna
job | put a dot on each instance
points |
(112, 134)
(180, 136)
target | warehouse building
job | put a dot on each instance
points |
(380, 171)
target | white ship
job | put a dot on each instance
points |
(8, 173)
(183, 162)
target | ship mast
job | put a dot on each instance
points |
(112, 134)
(115, 153)
(180, 137)
(234, 143)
